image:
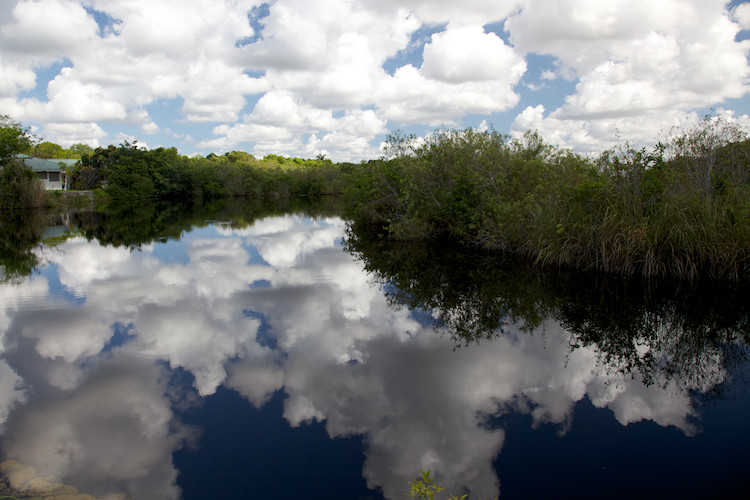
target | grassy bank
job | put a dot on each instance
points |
(680, 209)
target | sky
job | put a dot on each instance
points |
(335, 77)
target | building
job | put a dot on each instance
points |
(50, 171)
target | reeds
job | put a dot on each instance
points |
(678, 210)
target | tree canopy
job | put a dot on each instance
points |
(14, 139)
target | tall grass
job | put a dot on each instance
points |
(680, 209)
(20, 188)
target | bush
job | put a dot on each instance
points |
(679, 209)
(20, 187)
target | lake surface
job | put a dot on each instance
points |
(244, 352)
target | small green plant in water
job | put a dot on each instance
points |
(426, 487)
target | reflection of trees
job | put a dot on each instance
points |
(135, 224)
(690, 335)
(470, 293)
(664, 331)
(20, 232)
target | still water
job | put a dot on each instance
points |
(240, 353)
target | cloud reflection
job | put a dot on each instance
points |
(100, 415)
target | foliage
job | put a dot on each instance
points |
(426, 487)
(20, 187)
(48, 149)
(78, 150)
(14, 139)
(680, 209)
(666, 331)
(131, 172)
(20, 233)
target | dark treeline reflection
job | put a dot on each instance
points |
(20, 232)
(664, 331)
(132, 225)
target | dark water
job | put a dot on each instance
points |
(247, 351)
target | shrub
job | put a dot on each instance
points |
(20, 187)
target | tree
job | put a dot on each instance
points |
(14, 139)
(48, 150)
(81, 149)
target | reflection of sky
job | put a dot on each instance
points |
(86, 343)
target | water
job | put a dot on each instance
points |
(244, 352)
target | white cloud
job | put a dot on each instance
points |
(312, 62)
(742, 14)
(113, 434)
(15, 77)
(593, 136)
(459, 13)
(641, 66)
(47, 29)
(11, 391)
(469, 54)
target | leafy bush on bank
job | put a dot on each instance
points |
(20, 187)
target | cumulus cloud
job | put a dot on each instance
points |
(113, 434)
(152, 51)
(11, 391)
(645, 63)
(741, 14)
(306, 63)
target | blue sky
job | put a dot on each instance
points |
(334, 77)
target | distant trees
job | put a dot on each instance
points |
(132, 172)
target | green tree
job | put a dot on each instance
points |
(48, 150)
(91, 172)
(14, 139)
(80, 149)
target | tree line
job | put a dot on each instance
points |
(680, 208)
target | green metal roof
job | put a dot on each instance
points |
(47, 165)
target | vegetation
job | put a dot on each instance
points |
(131, 172)
(20, 188)
(426, 487)
(681, 209)
(14, 139)
(668, 332)
(132, 225)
